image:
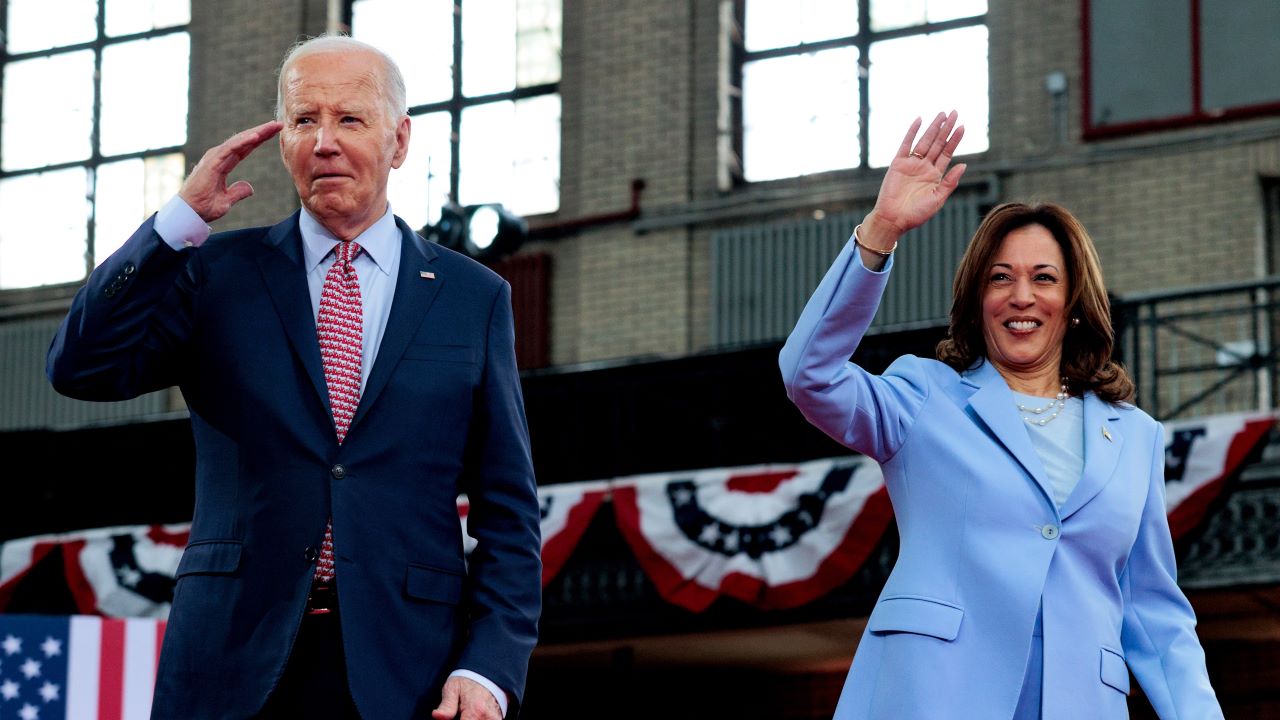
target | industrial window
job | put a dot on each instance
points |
(91, 129)
(832, 84)
(483, 81)
(1153, 64)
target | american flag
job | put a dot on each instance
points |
(77, 668)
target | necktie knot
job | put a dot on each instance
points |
(346, 252)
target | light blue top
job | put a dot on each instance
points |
(1059, 443)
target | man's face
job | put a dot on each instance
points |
(339, 141)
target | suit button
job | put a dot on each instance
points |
(110, 291)
(338, 472)
(310, 554)
(129, 268)
(1049, 532)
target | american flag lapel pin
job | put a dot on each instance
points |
(426, 275)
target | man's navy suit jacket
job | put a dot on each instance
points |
(232, 325)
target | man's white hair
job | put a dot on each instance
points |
(390, 82)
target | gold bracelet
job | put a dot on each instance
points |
(882, 253)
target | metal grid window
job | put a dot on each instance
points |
(1156, 64)
(825, 85)
(93, 122)
(483, 83)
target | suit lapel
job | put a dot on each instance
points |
(1102, 445)
(994, 404)
(286, 281)
(413, 297)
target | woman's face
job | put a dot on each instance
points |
(1024, 304)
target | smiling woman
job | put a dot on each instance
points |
(1036, 568)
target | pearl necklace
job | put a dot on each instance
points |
(1056, 405)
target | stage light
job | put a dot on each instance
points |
(484, 232)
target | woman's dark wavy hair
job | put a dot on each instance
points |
(1086, 349)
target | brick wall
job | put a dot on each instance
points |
(642, 98)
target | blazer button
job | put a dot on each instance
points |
(1049, 532)
(338, 472)
(310, 554)
(129, 268)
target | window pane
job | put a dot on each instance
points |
(912, 62)
(41, 127)
(1155, 80)
(537, 42)
(488, 47)
(783, 23)
(135, 16)
(43, 221)
(127, 192)
(143, 115)
(890, 14)
(420, 187)
(418, 35)
(800, 114)
(33, 26)
(1241, 59)
(510, 153)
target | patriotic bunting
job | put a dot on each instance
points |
(776, 536)
(772, 537)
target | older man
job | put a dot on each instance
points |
(346, 380)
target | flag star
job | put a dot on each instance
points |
(49, 692)
(683, 496)
(51, 647)
(731, 541)
(29, 712)
(31, 668)
(9, 690)
(710, 533)
(12, 645)
(129, 577)
(780, 535)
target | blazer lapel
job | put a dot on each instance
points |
(994, 405)
(286, 281)
(1102, 445)
(413, 297)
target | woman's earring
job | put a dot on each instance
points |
(1075, 322)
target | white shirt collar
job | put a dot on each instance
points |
(376, 241)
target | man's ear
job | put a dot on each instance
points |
(402, 141)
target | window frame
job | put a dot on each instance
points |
(863, 40)
(458, 101)
(96, 159)
(1198, 116)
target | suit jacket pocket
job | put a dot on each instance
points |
(441, 353)
(1114, 671)
(210, 557)
(434, 584)
(915, 614)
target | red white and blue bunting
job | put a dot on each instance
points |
(775, 536)
(770, 536)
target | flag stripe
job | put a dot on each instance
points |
(83, 660)
(110, 677)
(139, 668)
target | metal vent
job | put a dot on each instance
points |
(28, 402)
(762, 275)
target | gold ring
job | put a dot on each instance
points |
(916, 155)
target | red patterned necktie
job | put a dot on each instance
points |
(340, 329)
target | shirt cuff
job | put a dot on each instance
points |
(179, 226)
(498, 693)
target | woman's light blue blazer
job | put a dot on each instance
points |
(983, 545)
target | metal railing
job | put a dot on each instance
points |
(1203, 350)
